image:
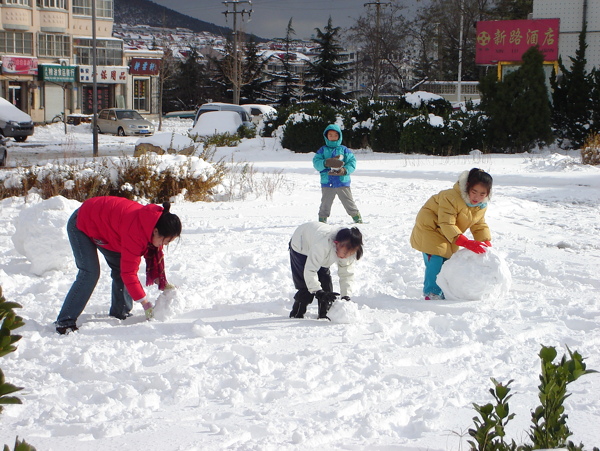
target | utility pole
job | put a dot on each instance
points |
(94, 84)
(236, 59)
(378, 6)
(460, 52)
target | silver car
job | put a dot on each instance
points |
(123, 122)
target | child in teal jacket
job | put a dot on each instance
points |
(335, 162)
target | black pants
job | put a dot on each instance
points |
(303, 297)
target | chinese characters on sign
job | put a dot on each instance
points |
(507, 40)
(57, 74)
(144, 66)
(104, 74)
(15, 65)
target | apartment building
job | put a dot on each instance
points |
(46, 51)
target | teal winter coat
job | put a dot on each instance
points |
(333, 149)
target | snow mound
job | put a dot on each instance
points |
(217, 122)
(468, 276)
(169, 303)
(344, 312)
(41, 233)
(167, 141)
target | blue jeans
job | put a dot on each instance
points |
(85, 252)
(433, 266)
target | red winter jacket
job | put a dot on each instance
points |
(123, 226)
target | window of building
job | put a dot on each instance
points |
(54, 45)
(141, 94)
(104, 8)
(56, 4)
(109, 52)
(17, 2)
(16, 43)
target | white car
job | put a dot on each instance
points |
(14, 122)
(259, 112)
(123, 122)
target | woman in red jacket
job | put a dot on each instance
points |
(124, 231)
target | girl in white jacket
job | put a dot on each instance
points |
(314, 247)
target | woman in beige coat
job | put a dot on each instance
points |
(441, 222)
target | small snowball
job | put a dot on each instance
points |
(344, 312)
(169, 303)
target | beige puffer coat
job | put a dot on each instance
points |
(445, 216)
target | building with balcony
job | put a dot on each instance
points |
(46, 52)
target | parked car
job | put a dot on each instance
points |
(123, 122)
(3, 151)
(258, 112)
(14, 122)
(218, 106)
(186, 114)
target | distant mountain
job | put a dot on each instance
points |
(145, 12)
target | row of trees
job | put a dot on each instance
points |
(393, 54)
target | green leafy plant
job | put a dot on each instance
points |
(489, 426)
(10, 322)
(549, 430)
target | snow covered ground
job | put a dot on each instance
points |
(223, 367)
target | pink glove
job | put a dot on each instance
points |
(474, 246)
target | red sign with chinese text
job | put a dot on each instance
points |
(19, 65)
(144, 66)
(507, 40)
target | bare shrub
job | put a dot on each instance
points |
(590, 154)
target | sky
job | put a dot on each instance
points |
(270, 17)
(223, 367)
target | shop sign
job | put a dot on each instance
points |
(144, 66)
(104, 74)
(508, 40)
(57, 74)
(19, 65)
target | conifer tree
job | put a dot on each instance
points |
(595, 101)
(572, 104)
(190, 86)
(256, 84)
(518, 108)
(326, 72)
(287, 79)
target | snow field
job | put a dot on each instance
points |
(223, 367)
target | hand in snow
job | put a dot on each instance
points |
(148, 310)
(346, 298)
(326, 299)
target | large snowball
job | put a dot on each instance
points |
(468, 276)
(41, 234)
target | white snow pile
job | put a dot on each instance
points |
(468, 276)
(169, 304)
(217, 122)
(167, 141)
(344, 312)
(418, 98)
(41, 235)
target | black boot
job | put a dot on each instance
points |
(301, 301)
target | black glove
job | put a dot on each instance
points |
(346, 298)
(326, 299)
